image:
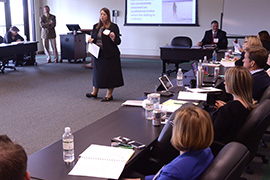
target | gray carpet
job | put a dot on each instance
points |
(38, 102)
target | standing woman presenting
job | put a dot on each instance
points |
(107, 67)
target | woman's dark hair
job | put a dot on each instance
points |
(108, 23)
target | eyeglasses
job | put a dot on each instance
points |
(245, 41)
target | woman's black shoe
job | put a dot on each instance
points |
(89, 95)
(106, 99)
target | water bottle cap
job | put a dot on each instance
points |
(67, 129)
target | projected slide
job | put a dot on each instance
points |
(161, 12)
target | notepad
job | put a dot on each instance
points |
(102, 161)
(192, 96)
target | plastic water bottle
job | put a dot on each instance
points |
(149, 107)
(214, 57)
(68, 146)
(205, 61)
(180, 78)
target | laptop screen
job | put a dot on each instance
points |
(166, 82)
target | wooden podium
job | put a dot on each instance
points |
(73, 47)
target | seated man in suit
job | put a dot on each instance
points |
(13, 160)
(255, 60)
(215, 36)
(13, 36)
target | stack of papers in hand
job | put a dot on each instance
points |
(192, 96)
(102, 161)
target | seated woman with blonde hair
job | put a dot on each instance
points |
(249, 41)
(229, 117)
(192, 135)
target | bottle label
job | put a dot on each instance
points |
(149, 106)
(68, 145)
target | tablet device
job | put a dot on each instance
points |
(165, 81)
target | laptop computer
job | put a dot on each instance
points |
(206, 79)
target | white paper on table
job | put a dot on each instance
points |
(93, 49)
(192, 96)
(227, 64)
(102, 161)
(133, 103)
(203, 89)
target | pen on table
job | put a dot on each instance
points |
(121, 145)
(178, 103)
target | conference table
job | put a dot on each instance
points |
(48, 164)
(176, 54)
(127, 121)
(9, 50)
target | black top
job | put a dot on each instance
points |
(228, 119)
(261, 81)
(8, 38)
(266, 45)
(222, 38)
(239, 62)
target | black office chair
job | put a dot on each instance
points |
(252, 131)
(160, 153)
(180, 41)
(228, 164)
(266, 94)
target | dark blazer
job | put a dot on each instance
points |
(8, 38)
(239, 62)
(261, 81)
(109, 47)
(266, 45)
(222, 38)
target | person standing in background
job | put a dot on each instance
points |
(47, 23)
(107, 67)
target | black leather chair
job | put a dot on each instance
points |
(266, 94)
(256, 124)
(252, 131)
(228, 164)
(180, 41)
(159, 154)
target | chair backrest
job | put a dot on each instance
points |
(228, 164)
(181, 41)
(255, 126)
(1, 39)
(266, 94)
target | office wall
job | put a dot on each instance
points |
(136, 40)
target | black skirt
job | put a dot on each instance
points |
(107, 72)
